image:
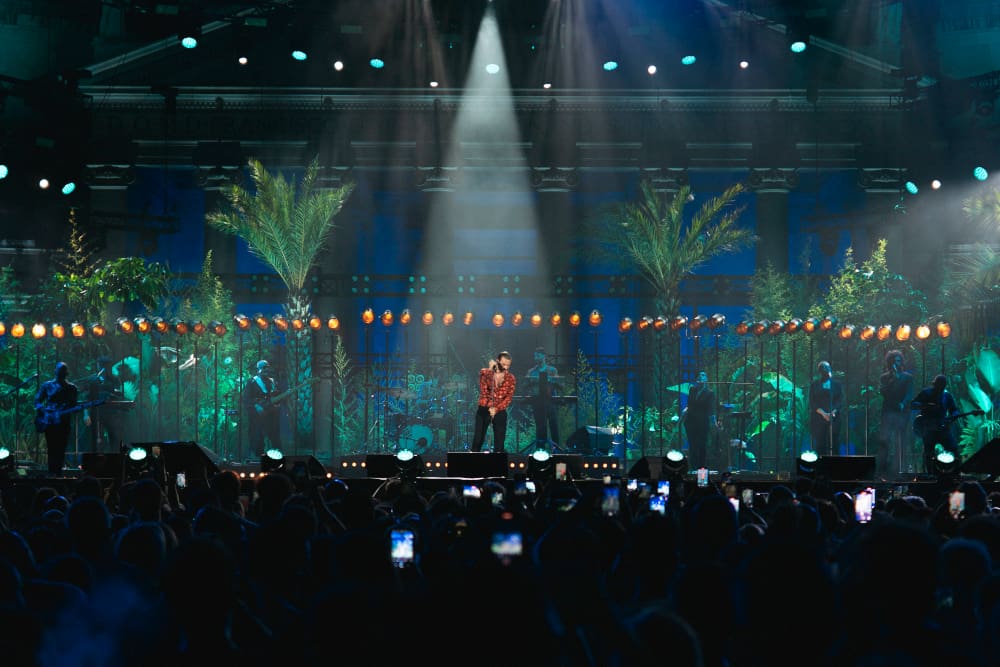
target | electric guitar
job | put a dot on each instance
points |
(272, 400)
(47, 416)
(924, 425)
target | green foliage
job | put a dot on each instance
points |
(286, 224)
(870, 294)
(348, 429)
(650, 236)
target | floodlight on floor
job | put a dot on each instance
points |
(410, 464)
(7, 461)
(272, 460)
(805, 465)
(944, 463)
(675, 463)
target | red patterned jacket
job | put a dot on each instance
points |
(492, 396)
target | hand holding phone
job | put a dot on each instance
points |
(956, 504)
(702, 476)
(401, 547)
(864, 503)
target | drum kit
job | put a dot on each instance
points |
(425, 416)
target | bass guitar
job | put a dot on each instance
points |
(272, 400)
(46, 416)
(924, 424)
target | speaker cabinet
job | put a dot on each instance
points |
(477, 464)
(986, 460)
(596, 440)
(381, 465)
(106, 466)
(846, 468)
(178, 456)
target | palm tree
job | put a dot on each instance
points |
(287, 225)
(650, 235)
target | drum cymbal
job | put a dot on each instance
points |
(401, 392)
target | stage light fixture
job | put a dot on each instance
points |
(536, 319)
(7, 459)
(241, 321)
(497, 320)
(410, 465)
(645, 323)
(58, 331)
(625, 325)
(575, 319)
(315, 323)
(427, 318)
(448, 318)
(197, 327)
(280, 322)
(595, 318)
(697, 322)
(143, 325)
(367, 316)
(793, 325)
(846, 332)
(4, 171)
(903, 332)
(743, 328)
(980, 173)
(376, 63)
(217, 328)
(38, 330)
(759, 327)
(405, 317)
(3, 328)
(675, 463)
(659, 323)
(386, 318)
(828, 323)
(555, 319)
(77, 330)
(923, 332)
(467, 318)
(911, 187)
(272, 460)
(492, 68)
(944, 463)
(867, 332)
(806, 463)
(160, 325)
(884, 332)
(125, 325)
(300, 55)
(333, 323)
(689, 60)
(179, 327)
(678, 322)
(97, 330)
(261, 321)
(716, 321)
(517, 319)
(810, 325)
(776, 327)
(68, 188)
(943, 329)
(298, 324)
(17, 330)
(610, 65)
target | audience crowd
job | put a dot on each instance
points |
(298, 571)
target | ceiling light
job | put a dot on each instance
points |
(610, 66)
(689, 60)
(492, 68)
(377, 63)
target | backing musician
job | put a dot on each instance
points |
(544, 377)
(265, 413)
(107, 423)
(53, 402)
(937, 411)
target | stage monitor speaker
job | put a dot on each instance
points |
(846, 468)
(313, 468)
(179, 456)
(381, 465)
(591, 440)
(648, 467)
(986, 460)
(477, 464)
(98, 464)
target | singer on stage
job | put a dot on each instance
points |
(496, 391)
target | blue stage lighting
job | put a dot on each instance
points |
(299, 55)
(797, 46)
(912, 188)
(610, 66)
(980, 173)
(377, 63)
(689, 60)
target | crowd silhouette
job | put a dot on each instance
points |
(299, 570)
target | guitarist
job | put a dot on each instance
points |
(53, 396)
(937, 411)
(896, 388)
(265, 416)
